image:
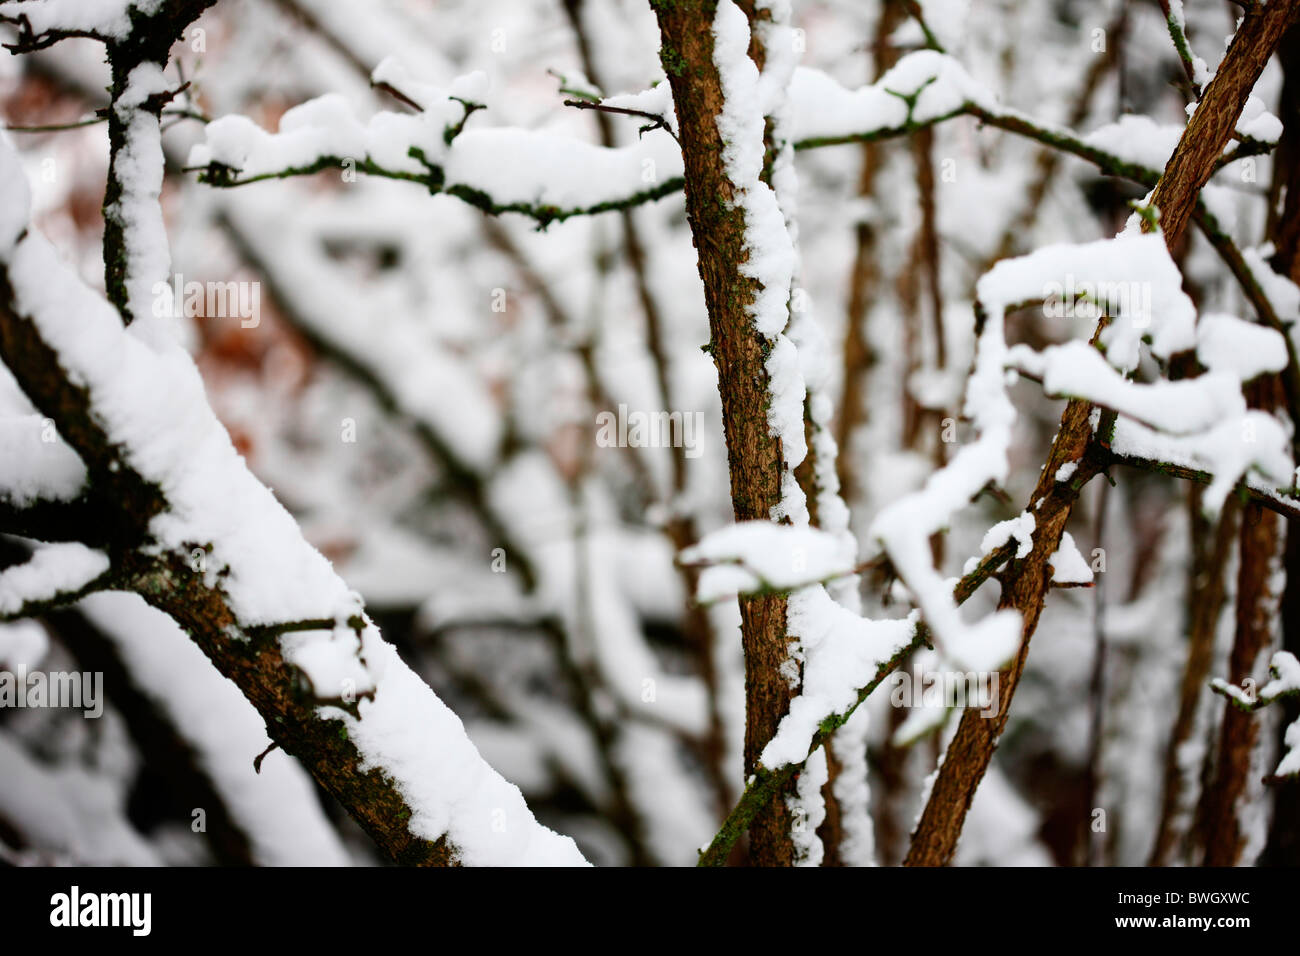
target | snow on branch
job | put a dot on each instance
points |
(214, 549)
(275, 806)
(921, 89)
(839, 631)
(756, 556)
(927, 87)
(561, 178)
(1204, 420)
(44, 22)
(135, 240)
(1201, 422)
(840, 651)
(55, 574)
(1285, 673)
(148, 27)
(924, 88)
(34, 462)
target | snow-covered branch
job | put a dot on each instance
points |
(785, 763)
(55, 574)
(1284, 671)
(339, 698)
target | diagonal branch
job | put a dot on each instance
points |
(1026, 584)
(765, 783)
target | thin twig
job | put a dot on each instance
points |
(657, 121)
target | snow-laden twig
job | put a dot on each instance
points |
(770, 780)
(276, 809)
(55, 574)
(1284, 671)
(1198, 73)
(136, 254)
(42, 23)
(1175, 197)
(215, 550)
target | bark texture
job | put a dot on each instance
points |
(740, 354)
(1025, 585)
(1207, 592)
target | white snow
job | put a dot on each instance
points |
(564, 173)
(23, 644)
(51, 571)
(277, 809)
(808, 808)
(852, 791)
(1285, 671)
(1021, 527)
(1245, 349)
(105, 18)
(756, 555)
(139, 171)
(1068, 564)
(150, 400)
(35, 463)
(1137, 138)
(657, 100)
(1182, 407)
(842, 653)
(823, 109)
(1282, 293)
(1255, 440)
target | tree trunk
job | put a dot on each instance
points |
(1025, 585)
(740, 353)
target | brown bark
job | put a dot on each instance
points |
(1206, 596)
(740, 352)
(1220, 824)
(1212, 124)
(1025, 585)
(1282, 847)
(1220, 830)
(927, 239)
(919, 291)
(168, 582)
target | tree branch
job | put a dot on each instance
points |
(765, 783)
(1025, 586)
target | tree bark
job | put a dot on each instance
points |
(1206, 586)
(1209, 128)
(1025, 585)
(1257, 604)
(1282, 847)
(740, 354)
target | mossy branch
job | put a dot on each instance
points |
(765, 783)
